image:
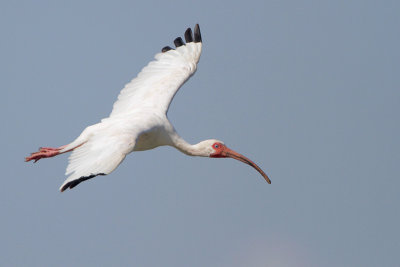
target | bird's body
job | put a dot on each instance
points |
(139, 120)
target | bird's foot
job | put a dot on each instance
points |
(44, 152)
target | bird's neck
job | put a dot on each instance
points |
(189, 149)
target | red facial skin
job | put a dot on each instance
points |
(221, 151)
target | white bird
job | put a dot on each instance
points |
(139, 120)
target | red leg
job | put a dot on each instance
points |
(44, 152)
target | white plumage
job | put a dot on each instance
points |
(138, 120)
(158, 82)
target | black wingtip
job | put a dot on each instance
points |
(74, 183)
(166, 49)
(178, 42)
(188, 35)
(197, 34)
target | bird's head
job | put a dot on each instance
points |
(217, 149)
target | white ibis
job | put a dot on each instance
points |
(139, 120)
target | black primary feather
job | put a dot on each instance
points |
(197, 34)
(178, 42)
(74, 183)
(165, 49)
(188, 35)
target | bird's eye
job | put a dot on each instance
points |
(216, 146)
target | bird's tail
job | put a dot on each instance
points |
(48, 152)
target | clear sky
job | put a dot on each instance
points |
(307, 89)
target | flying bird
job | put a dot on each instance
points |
(139, 121)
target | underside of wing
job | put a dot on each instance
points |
(100, 155)
(157, 83)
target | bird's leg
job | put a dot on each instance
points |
(44, 152)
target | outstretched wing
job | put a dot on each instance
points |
(157, 83)
(99, 155)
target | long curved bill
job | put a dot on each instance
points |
(227, 152)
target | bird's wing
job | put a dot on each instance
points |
(99, 155)
(158, 82)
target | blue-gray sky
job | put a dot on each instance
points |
(307, 89)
